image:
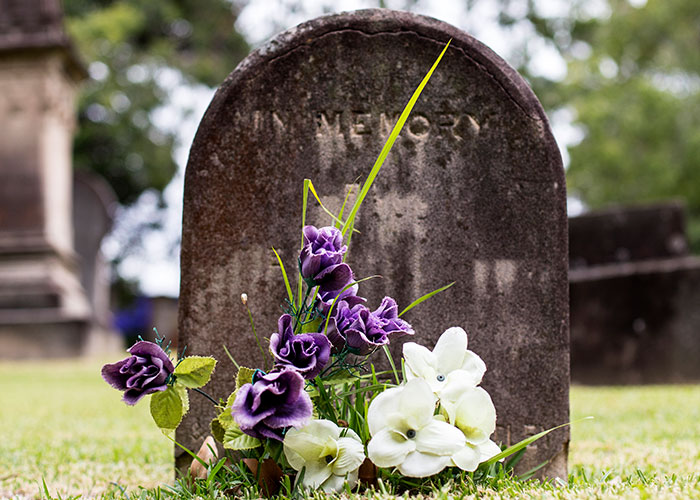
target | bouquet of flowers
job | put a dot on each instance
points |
(322, 413)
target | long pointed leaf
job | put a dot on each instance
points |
(304, 201)
(389, 143)
(425, 297)
(328, 316)
(527, 441)
(284, 275)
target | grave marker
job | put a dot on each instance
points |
(473, 192)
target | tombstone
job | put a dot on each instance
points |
(634, 291)
(473, 192)
(94, 204)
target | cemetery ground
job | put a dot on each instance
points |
(62, 425)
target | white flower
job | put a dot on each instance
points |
(331, 455)
(468, 408)
(450, 354)
(405, 433)
(469, 457)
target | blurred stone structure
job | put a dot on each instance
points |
(44, 307)
(634, 297)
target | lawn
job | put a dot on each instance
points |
(62, 424)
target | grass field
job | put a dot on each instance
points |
(62, 424)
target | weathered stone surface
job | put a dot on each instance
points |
(472, 192)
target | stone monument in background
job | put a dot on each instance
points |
(635, 291)
(472, 192)
(44, 308)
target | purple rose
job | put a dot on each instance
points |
(271, 403)
(363, 331)
(321, 258)
(326, 297)
(306, 353)
(145, 372)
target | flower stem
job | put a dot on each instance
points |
(200, 391)
(255, 334)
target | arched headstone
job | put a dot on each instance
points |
(473, 192)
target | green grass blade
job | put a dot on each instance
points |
(304, 202)
(389, 143)
(527, 441)
(339, 221)
(284, 275)
(328, 316)
(391, 362)
(425, 297)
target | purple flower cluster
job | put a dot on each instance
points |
(306, 353)
(277, 400)
(272, 402)
(362, 330)
(146, 371)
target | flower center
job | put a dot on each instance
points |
(329, 458)
(440, 377)
(410, 433)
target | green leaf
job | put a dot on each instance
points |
(194, 371)
(236, 439)
(245, 376)
(391, 362)
(425, 297)
(525, 442)
(328, 315)
(217, 430)
(389, 143)
(311, 326)
(313, 191)
(167, 408)
(290, 295)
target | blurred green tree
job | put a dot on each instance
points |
(633, 83)
(136, 51)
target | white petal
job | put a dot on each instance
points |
(475, 366)
(456, 383)
(388, 448)
(488, 449)
(308, 443)
(416, 404)
(333, 484)
(475, 415)
(468, 458)
(450, 350)
(419, 464)
(300, 447)
(295, 460)
(419, 362)
(439, 438)
(381, 407)
(351, 454)
(316, 473)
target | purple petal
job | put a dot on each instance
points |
(112, 374)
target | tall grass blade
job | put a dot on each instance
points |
(391, 362)
(424, 297)
(304, 201)
(525, 442)
(389, 143)
(328, 316)
(284, 275)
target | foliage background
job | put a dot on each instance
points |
(620, 80)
